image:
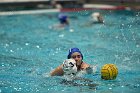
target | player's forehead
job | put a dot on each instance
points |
(75, 54)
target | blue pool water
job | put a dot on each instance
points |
(29, 50)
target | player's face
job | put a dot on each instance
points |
(77, 57)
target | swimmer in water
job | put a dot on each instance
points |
(96, 18)
(64, 22)
(63, 19)
(75, 54)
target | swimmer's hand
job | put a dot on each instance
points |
(91, 70)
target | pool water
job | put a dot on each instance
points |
(29, 50)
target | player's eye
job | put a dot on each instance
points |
(76, 56)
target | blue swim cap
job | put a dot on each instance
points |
(62, 16)
(73, 50)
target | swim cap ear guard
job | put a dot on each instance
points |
(73, 50)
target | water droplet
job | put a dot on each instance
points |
(116, 37)
(11, 42)
(110, 88)
(71, 30)
(6, 45)
(62, 35)
(15, 88)
(26, 44)
(137, 46)
(11, 51)
(38, 46)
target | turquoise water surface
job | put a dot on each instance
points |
(29, 50)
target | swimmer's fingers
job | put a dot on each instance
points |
(91, 69)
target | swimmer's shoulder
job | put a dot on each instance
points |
(84, 66)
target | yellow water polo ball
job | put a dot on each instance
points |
(109, 72)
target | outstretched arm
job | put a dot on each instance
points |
(57, 72)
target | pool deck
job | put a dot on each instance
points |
(85, 7)
(103, 5)
(16, 1)
(100, 5)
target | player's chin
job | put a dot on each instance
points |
(78, 64)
